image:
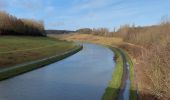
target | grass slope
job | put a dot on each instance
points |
(16, 50)
(22, 68)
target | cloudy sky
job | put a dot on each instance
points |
(75, 14)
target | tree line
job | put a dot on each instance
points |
(11, 25)
(122, 31)
(95, 31)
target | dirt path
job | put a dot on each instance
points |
(124, 77)
(125, 86)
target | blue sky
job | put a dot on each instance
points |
(75, 14)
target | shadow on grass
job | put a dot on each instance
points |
(112, 94)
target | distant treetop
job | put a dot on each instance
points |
(11, 25)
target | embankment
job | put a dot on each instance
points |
(22, 68)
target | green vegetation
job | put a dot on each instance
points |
(13, 71)
(16, 50)
(112, 90)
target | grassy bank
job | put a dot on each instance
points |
(19, 54)
(16, 50)
(112, 90)
(19, 69)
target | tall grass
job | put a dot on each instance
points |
(155, 59)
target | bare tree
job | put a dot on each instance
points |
(10, 25)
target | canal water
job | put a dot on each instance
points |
(83, 76)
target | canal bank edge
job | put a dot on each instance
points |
(23, 68)
(133, 84)
(113, 89)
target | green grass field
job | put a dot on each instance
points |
(20, 49)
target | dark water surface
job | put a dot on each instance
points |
(83, 76)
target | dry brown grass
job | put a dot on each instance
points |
(90, 38)
(153, 61)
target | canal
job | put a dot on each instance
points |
(83, 76)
